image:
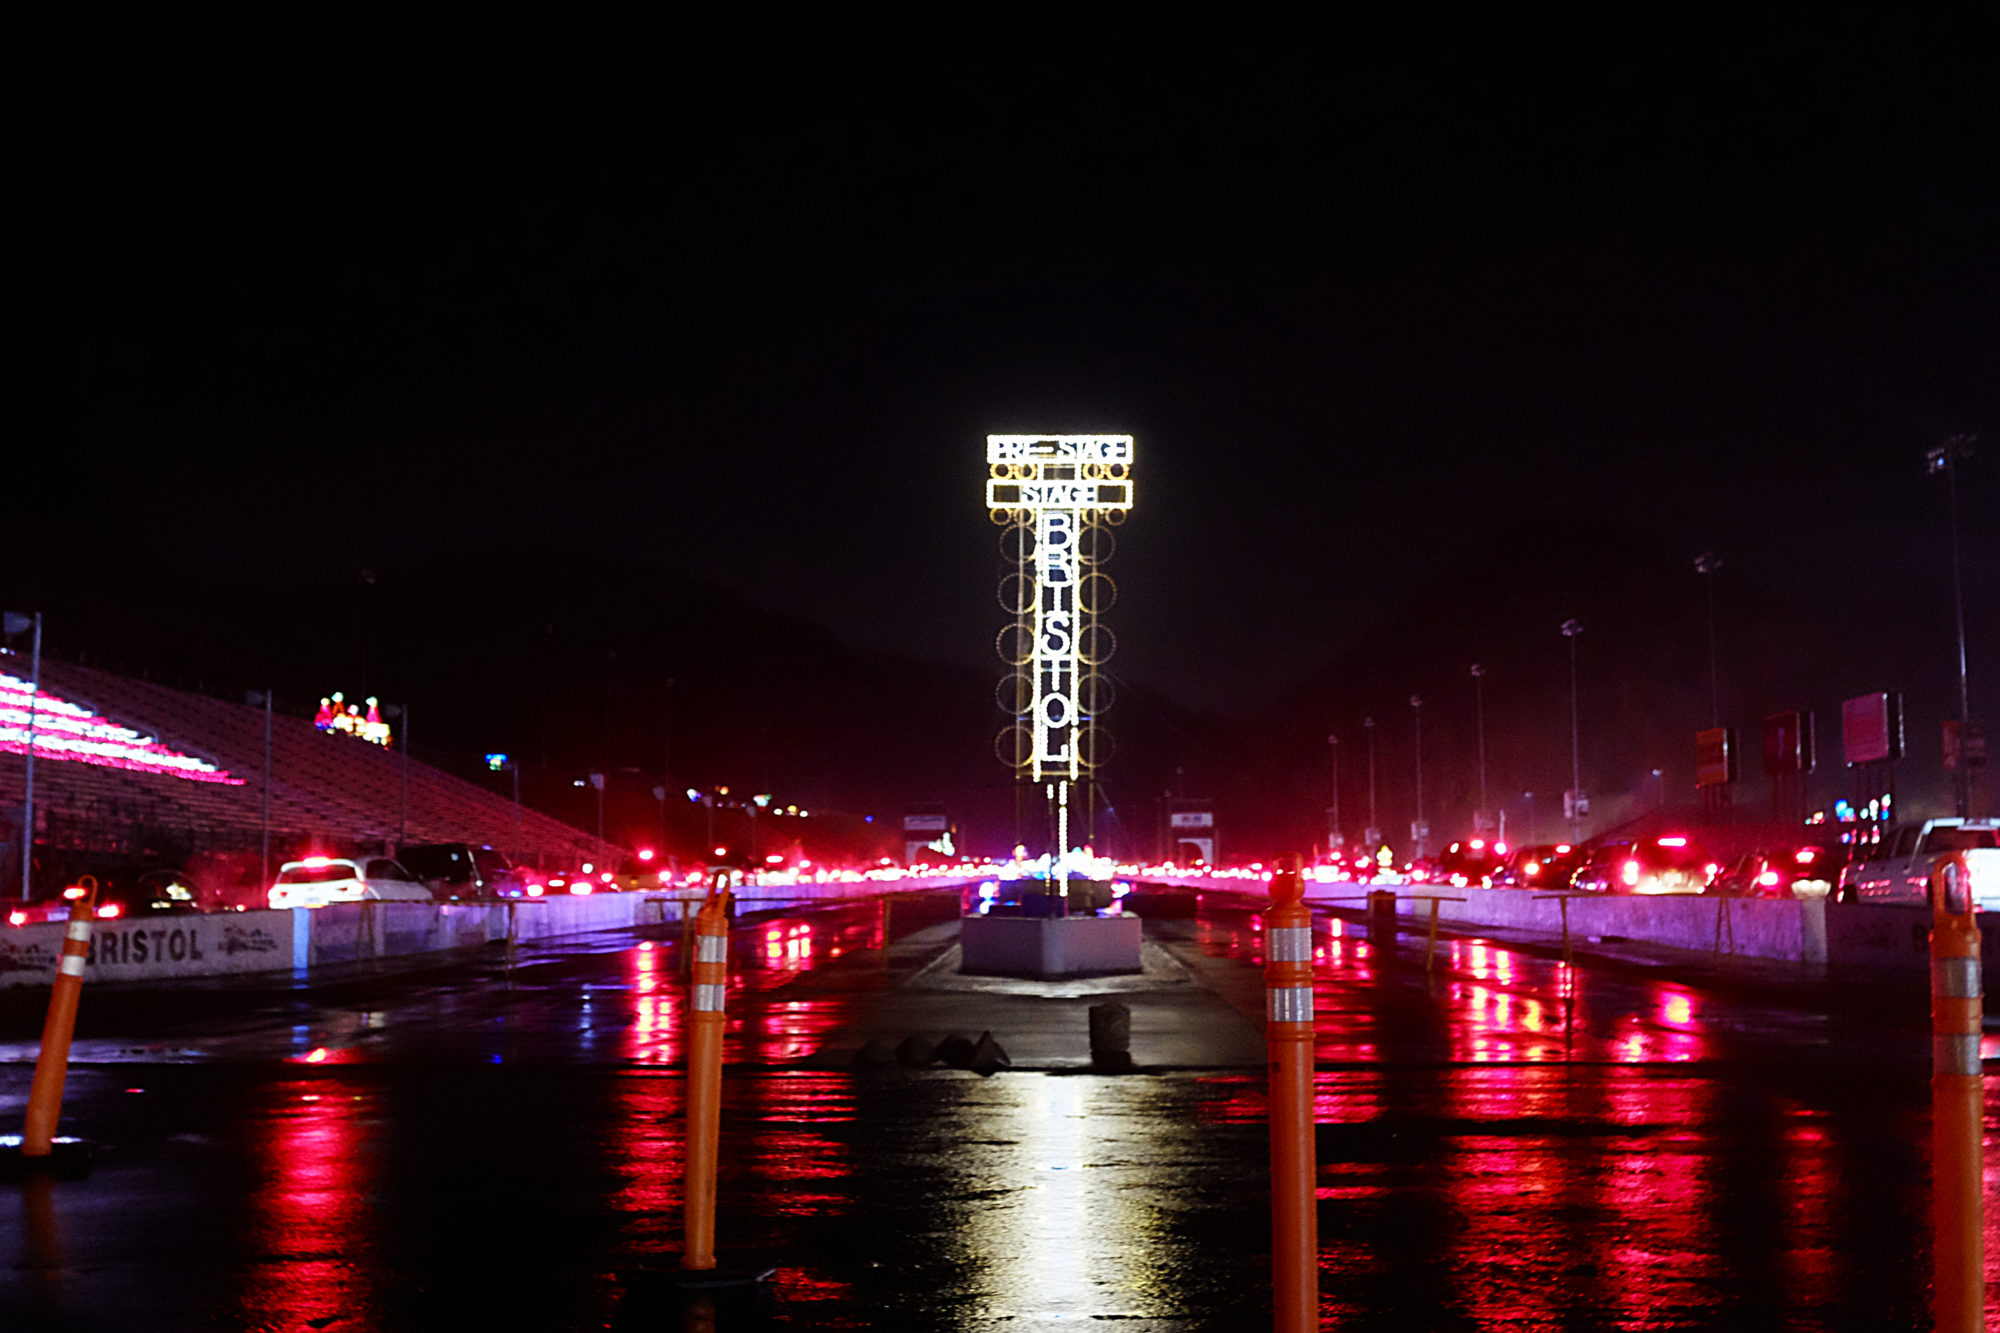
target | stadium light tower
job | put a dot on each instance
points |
(1574, 801)
(1334, 841)
(1705, 565)
(1420, 832)
(1946, 458)
(1485, 818)
(1374, 834)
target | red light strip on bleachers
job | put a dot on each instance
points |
(68, 731)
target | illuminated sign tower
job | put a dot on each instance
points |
(1056, 499)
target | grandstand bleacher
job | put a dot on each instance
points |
(330, 793)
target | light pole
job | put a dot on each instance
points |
(1333, 839)
(1946, 458)
(402, 711)
(264, 697)
(1529, 797)
(503, 763)
(660, 795)
(706, 799)
(597, 781)
(14, 624)
(1706, 564)
(1374, 824)
(1479, 716)
(1420, 833)
(1571, 629)
(514, 767)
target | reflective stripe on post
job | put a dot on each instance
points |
(52, 1064)
(706, 996)
(1288, 1004)
(1957, 1102)
(1290, 944)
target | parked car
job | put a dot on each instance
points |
(1544, 865)
(18, 913)
(463, 871)
(1776, 872)
(152, 893)
(1470, 863)
(589, 878)
(319, 880)
(1898, 868)
(1672, 864)
(155, 893)
(645, 872)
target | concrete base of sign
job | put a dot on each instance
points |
(1063, 946)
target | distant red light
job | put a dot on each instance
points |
(645, 853)
(1673, 842)
(110, 910)
(75, 891)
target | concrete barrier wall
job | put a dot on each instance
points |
(1794, 931)
(1749, 927)
(181, 945)
(195, 944)
(1811, 931)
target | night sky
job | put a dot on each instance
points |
(1368, 299)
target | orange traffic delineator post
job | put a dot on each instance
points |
(39, 1146)
(1957, 1102)
(704, 1076)
(1288, 997)
(706, 992)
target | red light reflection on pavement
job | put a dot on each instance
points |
(781, 1031)
(644, 1150)
(806, 1170)
(1658, 1187)
(658, 994)
(309, 1212)
(1812, 1263)
(778, 1165)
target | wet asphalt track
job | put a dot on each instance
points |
(1504, 1144)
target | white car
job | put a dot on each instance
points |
(1898, 868)
(319, 880)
